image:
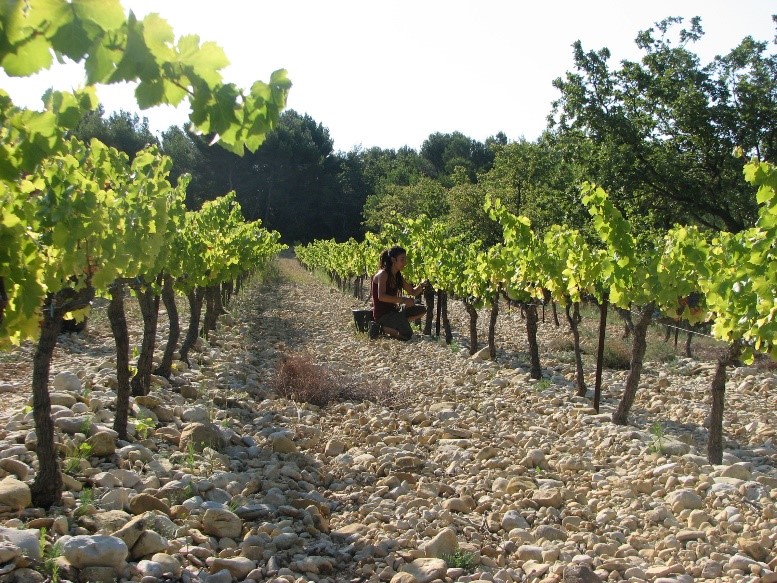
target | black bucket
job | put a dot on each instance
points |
(362, 318)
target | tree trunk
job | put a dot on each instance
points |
(573, 311)
(638, 346)
(165, 367)
(3, 300)
(46, 489)
(226, 292)
(532, 319)
(213, 309)
(492, 327)
(628, 323)
(149, 309)
(439, 312)
(718, 389)
(121, 340)
(195, 311)
(446, 323)
(473, 326)
(429, 299)
(603, 307)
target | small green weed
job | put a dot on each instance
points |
(49, 554)
(657, 443)
(143, 426)
(134, 354)
(84, 501)
(459, 560)
(76, 454)
(190, 457)
(86, 425)
(542, 384)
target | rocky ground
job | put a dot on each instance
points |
(462, 470)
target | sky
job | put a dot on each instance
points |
(390, 73)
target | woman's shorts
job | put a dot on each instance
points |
(399, 320)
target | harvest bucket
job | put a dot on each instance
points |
(362, 318)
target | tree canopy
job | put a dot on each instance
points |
(665, 127)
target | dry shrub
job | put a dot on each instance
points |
(617, 356)
(297, 377)
(765, 362)
(562, 344)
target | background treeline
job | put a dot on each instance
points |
(657, 134)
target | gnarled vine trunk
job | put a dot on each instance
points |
(718, 390)
(638, 347)
(149, 309)
(492, 327)
(532, 320)
(573, 314)
(165, 367)
(213, 308)
(46, 489)
(118, 322)
(429, 299)
(473, 326)
(195, 298)
(446, 323)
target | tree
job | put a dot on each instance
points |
(426, 197)
(447, 151)
(535, 179)
(122, 130)
(178, 144)
(664, 127)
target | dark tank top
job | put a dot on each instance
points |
(380, 309)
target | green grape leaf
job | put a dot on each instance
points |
(32, 19)
(72, 40)
(149, 93)
(205, 61)
(100, 64)
(107, 14)
(28, 57)
(158, 37)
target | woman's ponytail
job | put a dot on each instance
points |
(385, 260)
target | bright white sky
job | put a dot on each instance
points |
(390, 73)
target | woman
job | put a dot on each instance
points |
(391, 311)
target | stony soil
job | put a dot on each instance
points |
(463, 469)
